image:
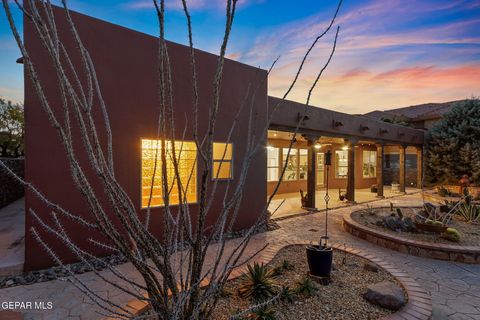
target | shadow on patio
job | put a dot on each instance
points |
(289, 204)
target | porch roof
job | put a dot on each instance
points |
(324, 122)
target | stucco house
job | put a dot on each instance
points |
(125, 65)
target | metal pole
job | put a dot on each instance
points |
(327, 198)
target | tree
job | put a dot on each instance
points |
(177, 284)
(453, 145)
(11, 129)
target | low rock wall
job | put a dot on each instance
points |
(440, 251)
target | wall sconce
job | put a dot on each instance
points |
(317, 146)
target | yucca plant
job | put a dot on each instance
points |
(264, 313)
(258, 283)
(282, 267)
(306, 287)
(287, 294)
(470, 212)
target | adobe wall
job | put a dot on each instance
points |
(126, 65)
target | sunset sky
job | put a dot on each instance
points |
(390, 53)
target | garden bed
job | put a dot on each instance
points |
(342, 299)
(423, 245)
(469, 233)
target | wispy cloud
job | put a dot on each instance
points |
(389, 54)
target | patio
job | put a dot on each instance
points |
(289, 204)
(454, 287)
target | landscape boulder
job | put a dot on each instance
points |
(385, 294)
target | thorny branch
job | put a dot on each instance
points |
(178, 283)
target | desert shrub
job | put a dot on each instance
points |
(287, 294)
(285, 265)
(258, 283)
(469, 211)
(306, 287)
(265, 313)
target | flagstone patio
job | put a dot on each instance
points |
(454, 287)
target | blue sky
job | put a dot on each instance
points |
(390, 53)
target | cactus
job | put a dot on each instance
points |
(451, 234)
(400, 213)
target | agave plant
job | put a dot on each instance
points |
(258, 283)
(264, 313)
(287, 294)
(285, 265)
(470, 212)
(306, 287)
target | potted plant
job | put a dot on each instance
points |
(320, 257)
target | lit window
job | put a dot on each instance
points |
(303, 164)
(369, 164)
(222, 160)
(273, 163)
(341, 163)
(291, 165)
(186, 154)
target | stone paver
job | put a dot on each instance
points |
(12, 231)
(454, 287)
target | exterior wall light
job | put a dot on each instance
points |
(317, 146)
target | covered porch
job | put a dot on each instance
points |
(358, 158)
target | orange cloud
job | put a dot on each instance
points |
(360, 91)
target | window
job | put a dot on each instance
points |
(273, 163)
(186, 154)
(341, 163)
(291, 165)
(303, 164)
(222, 160)
(369, 164)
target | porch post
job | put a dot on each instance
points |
(311, 170)
(380, 170)
(351, 170)
(419, 167)
(402, 174)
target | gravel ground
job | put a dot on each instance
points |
(469, 233)
(342, 299)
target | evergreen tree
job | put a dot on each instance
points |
(453, 145)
